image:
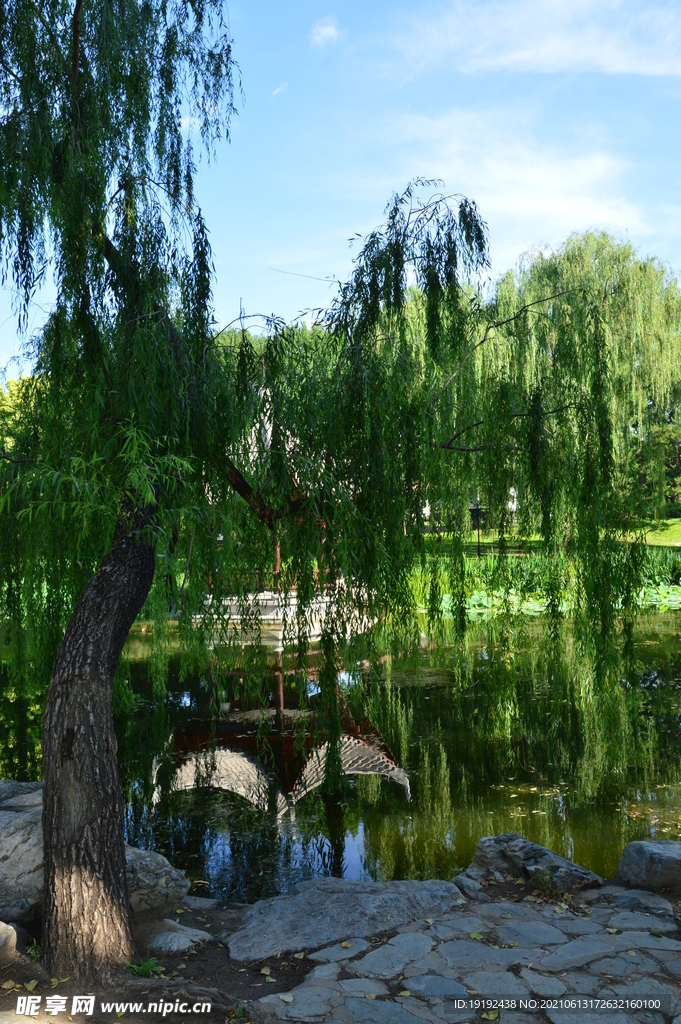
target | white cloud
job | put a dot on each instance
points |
(529, 192)
(324, 32)
(641, 37)
(282, 87)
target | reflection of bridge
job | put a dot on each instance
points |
(240, 772)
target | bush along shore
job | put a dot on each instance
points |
(531, 584)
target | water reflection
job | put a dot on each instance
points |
(233, 766)
(511, 732)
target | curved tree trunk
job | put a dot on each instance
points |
(86, 913)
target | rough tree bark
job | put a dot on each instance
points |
(86, 914)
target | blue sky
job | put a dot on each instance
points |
(554, 116)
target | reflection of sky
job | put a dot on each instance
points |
(353, 859)
(293, 862)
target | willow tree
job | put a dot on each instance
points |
(573, 373)
(96, 185)
(144, 441)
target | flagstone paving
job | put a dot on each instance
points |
(534, 957)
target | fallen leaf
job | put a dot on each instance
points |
(299, 956)
(493, 947)
(476, 935)
(656, 932)
(429, 920)
(286, 997)
(461, 901)
(612, 931)
(54, 982)
(265, 970)
(62, 981)
(490, 1015)
(514, 943)
(405, 992)
(8, 984)
(30, 985)
(346, 944)
(631, 952)
(558, 910)
(269, 978)
(179, 911)
(120, 1013)
(369, 995)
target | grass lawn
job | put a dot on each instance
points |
(666, 533)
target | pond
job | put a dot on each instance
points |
(510, 733)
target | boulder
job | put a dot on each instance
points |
(8, 942)
(176, 938)
(21, 850)
(651, 865)
(153, 882)
(510, 856)
(324, 911)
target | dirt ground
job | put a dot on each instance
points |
(205, 973)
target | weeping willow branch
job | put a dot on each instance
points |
(491, 326)
(448, 445)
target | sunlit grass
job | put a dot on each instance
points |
(665, 533)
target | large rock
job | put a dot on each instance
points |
(21, 850)
(8, 942)
(152, 881)
(176, 938)
(329, 910)
(654, 865)
(510, 856)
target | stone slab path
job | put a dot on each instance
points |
(409, 952)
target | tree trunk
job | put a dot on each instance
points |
(86, 912)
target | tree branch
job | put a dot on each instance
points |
(478, 447)
(257, 504)
(17, 462)
(490, 327)
(254, 500)
(76, 46)
(53, 36)
(449, 446)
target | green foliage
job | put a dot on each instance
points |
(335, 446)
(145, 968)
(34, 950)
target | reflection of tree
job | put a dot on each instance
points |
(21, 706)
(513, 730)
(526, 734)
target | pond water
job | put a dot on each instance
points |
(510, 734)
